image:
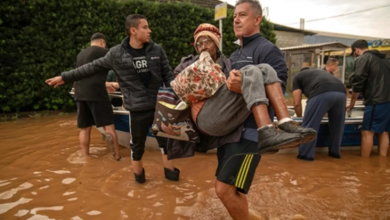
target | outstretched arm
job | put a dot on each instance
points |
(82, 72)
(358, 79)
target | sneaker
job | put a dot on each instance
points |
(140, 178)
(309, 134)
(273, 138)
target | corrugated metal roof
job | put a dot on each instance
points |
(315, 46)
(279, 27)
(346, 36)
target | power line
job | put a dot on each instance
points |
(342, 15)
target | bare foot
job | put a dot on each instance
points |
(115, 157)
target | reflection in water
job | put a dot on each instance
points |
(44, 176)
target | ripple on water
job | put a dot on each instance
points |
(4, 184)
(7, 206)
(78, 158)
(118, 185)
(67, 123)
(68, 180)
(94, 212)
(124, 215)
(54, 208)
(207, 206)
(21, 213)
(40, 217)
(59, 171)
(68, 193)
(8, 194)
(157, 204)
(43, 187)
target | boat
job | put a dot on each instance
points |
(351, 136)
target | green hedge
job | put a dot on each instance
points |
(41, 38)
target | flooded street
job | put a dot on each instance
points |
(44, 176)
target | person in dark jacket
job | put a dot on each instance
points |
(371, 77)
(326, 94)
(254, 50)
(141, 67)
(93, 104)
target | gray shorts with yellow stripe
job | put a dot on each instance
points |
(237, 163)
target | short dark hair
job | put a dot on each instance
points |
(98, 36)
(304, 68)
(255, 6)
(361, 44)
(133, 21)
(331, 61)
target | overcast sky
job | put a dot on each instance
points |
(373, 23)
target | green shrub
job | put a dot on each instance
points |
(41, 38)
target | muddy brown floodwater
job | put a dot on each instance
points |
(43, 176)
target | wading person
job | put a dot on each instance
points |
(141, 67)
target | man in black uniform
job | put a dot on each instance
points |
(93, 104)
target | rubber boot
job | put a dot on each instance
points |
(172, 175)
(141, 177)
